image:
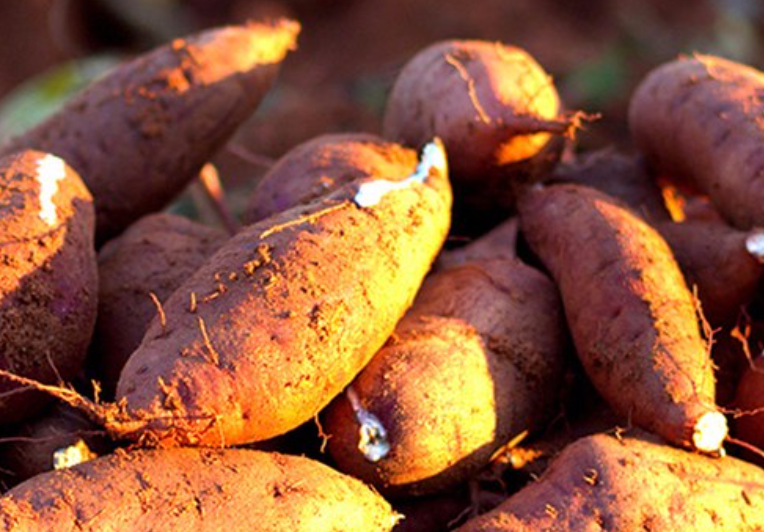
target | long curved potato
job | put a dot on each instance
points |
(203, 490)
(141, 133)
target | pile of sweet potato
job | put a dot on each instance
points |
(410, 329)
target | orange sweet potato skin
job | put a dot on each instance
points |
(477, 360)
(48, 276)
(141, 133)
(190, 489)
(628, 308)
(698, 119)
(323, 164)
(493, 106)
(633, 483)
(154, 256)
(284, 316)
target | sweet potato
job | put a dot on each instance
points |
(323, 164)
(48, 276)
(38, 445)
(478, 360)
(496, 110)
(195, 489)
(721, 262)
(141, 133)
(284, 315)
(749, 401)
(137, 271)
(629, 310)
(499, 243)
(697, 119)
(633, 483)
(620, 176)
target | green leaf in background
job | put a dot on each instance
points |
(600, 81)
(36, 99)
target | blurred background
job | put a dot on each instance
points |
(351, 50)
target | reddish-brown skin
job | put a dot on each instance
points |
(714, 258)
(499, 243)
(321, 165)
(203, 490)
(48, 278)
(698, 119)
(478, 359)
(154, 256)
(749, 400)
(30, 447)
(633, 483)
(620, 176)
(286, 313)
(493, 106)
(141, 133)
(628, 308)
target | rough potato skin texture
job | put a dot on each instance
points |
(477, 360)
(491, 105)
(203, 490)
(154, 256)
(324, 164)
(48, 276)
(713, 257)
(287, 313)
(698, 119)
(618, 175)
(141, 133)
(628, 308)
(633, 483)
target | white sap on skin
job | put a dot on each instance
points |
(372, 434)
(754, 244)
(710, 432)
(433, 160)
(71, 456)
(50, 170)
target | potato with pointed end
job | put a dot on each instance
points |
(284, 315)
(322, 165)
(141, 133)
(138, 271)
(498, 243)
(478, 360)
(48, 276)
(629, 310)
(633, 483)
(698, 119)
(235, 490)
(496, 110)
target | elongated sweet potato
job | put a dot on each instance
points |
(499, 243)
(323, 164)
(496, 110)
(195, 489)
(721, 262)
(629, 310)
(141, 133)
(698, 119)
(137, 272)
(633, 483)
(478, 360)
(48, 276)
(285, 314)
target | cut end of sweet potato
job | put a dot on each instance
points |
(754, 244)
(709, 432)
